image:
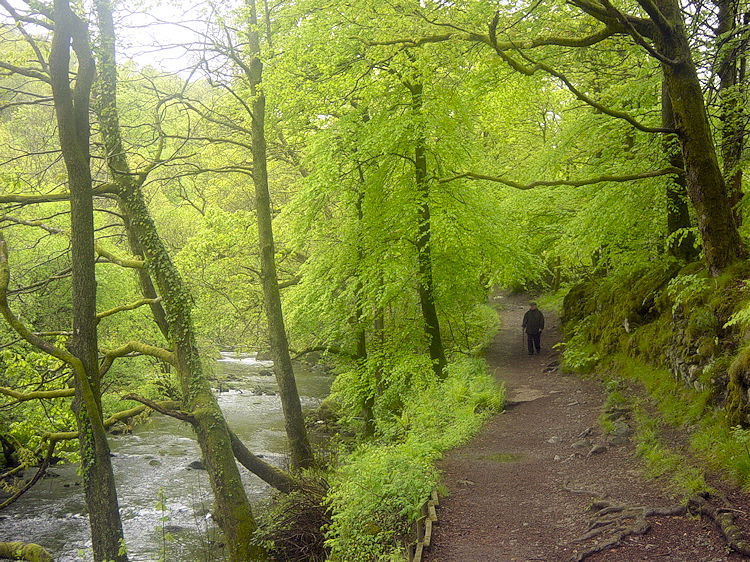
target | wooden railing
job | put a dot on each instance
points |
(421, 532)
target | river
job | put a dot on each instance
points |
(164, 502)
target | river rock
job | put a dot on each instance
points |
(265, 373)
(154, 462)
(196, 465)
(583, 444)
(120, 428)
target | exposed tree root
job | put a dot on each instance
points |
(724, 519)
(613, 523)
(294, 523)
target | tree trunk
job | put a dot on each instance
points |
(424, 239)
(232, 508)
(106, 107)
(72, 111)
(368, 404)
(729, 56)
(301, 452)
(704, 179)
(678, 214)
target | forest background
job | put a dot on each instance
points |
(373, 170)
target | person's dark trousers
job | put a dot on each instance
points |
(534, 342)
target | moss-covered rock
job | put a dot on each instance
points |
(695, 325)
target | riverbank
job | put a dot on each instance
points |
(162, 489)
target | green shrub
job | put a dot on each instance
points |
(377, 489)
(579, 354)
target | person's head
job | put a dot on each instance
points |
(532, 305)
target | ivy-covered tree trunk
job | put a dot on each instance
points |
(424, 238)
(105, 92)
(232, 508)
(72, 112)
(704, 179)
(300, 450)
(682, 245)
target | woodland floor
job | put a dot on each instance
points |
(523, 488)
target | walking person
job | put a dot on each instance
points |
(533, 324)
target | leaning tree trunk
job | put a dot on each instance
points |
(704, 179)
(424, 239)
(232, 508)
(301, 452)
(72, 112)
(106, 108)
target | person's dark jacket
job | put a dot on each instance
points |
(533, 321)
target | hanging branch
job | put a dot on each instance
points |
(535, 65)
(110, 257)
(273, 476)
(39, 473)
(167, 408)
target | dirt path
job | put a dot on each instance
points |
(522, 488)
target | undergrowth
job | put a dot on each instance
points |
(684, 478)
(377, 489)
(709, 438)
(647, 320)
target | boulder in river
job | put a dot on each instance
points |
(197, 465)
(120, 428)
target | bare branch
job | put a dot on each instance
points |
(656, 16)
(140, 348)
(37, 394)
(30, 72)
(530, 71)
(39, 473)
(103, 189)
(130, 306)
(168, 408)
(637, 37)
(569, 183)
